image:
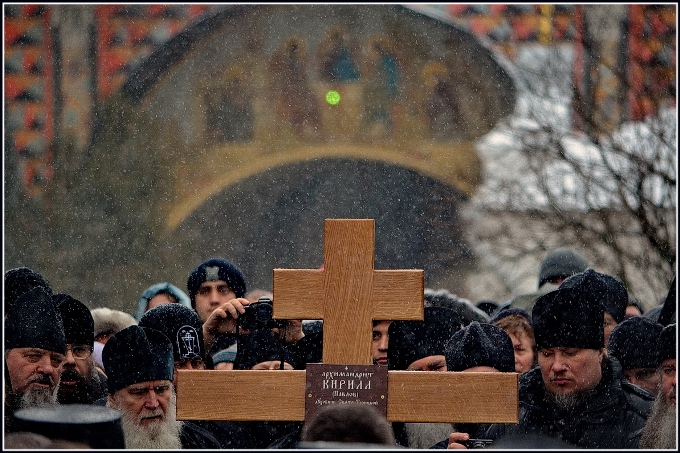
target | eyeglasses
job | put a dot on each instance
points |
(80, 351)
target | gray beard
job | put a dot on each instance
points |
(425, 435)
(660, 428)
(163, 434)
(567, 401)
(38, 397)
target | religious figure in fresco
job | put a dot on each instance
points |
(230, 112)
(338, 57)
(441, 105)
(381, 89)
(296, 104)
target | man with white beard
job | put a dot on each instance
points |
(661, 427)
(35, 348)
(140, 365)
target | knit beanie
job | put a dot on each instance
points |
(36, 323)
(212, 270)
(603, 289)
(633, 343)
(137, 354)
(181, 325)
(562, 262)
(20, 280)
(480, 344)
(569, 318)
(412, 340)
(78, 321)
(666, 346)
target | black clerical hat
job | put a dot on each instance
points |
(633, 342)
(480, 344)
(35, 322)
(181, 325)
(78, 321)
(96, 426)
(137, 354)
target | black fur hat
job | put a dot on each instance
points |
(603, 289)
(216, 269)
(78, 321)
(570, 318)
(633, 342)
(35, 323)
(137, 354)
(480, 344)
(20, 280)
(412, 340)
(181, 325)
(666, 347)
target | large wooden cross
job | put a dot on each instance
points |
(348, 294)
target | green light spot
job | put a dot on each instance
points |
(333, 97)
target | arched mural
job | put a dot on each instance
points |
(279, 89)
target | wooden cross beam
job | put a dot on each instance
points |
(348, 294)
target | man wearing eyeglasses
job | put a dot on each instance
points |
(81, 381)
(35, 345)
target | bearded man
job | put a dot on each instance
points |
(577, 394)
(35, 345)
(81, 382)
(660, 430)
(140, 366)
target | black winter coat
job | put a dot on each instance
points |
(611, 418)
(194, 437)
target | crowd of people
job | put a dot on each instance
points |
(594, 369)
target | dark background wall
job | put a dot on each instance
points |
(275, 220)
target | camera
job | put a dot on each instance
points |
(258, 315)
(477, 443)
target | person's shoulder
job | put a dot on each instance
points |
(638, 399)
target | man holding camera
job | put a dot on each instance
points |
(217, 288)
